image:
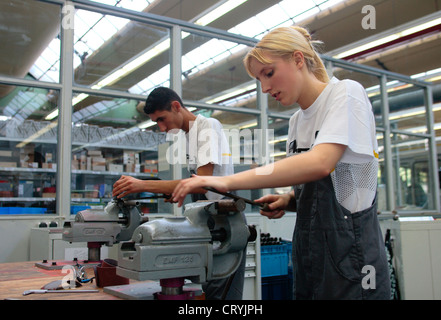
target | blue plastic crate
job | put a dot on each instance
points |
(276, 288)
(75, 209)
(274, 260)
(22, 210)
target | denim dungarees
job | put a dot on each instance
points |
(336, 254)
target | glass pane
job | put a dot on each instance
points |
(246, 144)
(213, 71)
(119, 54)
(407, 110)
(28, 151)
(280, 128)
(278, 144)
(30, 29)
(382, 175)
(412, 173)
(107, 142)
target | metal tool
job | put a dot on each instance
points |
(263, 206)
(207, 243)
(115, 223)
(27, 292)
(154, 196)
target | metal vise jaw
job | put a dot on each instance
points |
(109, 226)
(206, 243)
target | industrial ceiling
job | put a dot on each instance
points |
(339, 27)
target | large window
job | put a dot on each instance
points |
(87, 85)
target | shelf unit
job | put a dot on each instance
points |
(42, 135)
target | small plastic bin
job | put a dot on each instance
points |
(22, 210)
(76, 209)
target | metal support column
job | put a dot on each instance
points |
(64, 145)
(390, 187)
(264, 146)
(433, 158)
(176, 85)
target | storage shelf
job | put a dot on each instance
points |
(25, 199)
(94, 200)
(106, 173)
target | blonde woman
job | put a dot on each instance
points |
(332, 162)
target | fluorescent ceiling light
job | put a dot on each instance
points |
(52, 115)
(163, 46)
(280, 139)
(219, 12)
(249, 125)
(278, 154)
(146, 124)
(232, 93)
(388, 38)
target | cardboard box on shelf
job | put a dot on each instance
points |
(129, 167)
(52, 165)
(91, 194)
(33, 165)
(49, 195)
(150, 166)
(5, 153)
(75, 164)
(48, 157)
(83, 162)
(89, 163)
(76, 195)
(115, 167)
(98, 167)
(98, 161)
(8, 164)
(130, 157)
(94, 153)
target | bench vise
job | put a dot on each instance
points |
(115, 223)
(206, 243)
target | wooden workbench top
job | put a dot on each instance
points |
(17, 277)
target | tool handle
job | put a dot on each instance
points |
(27, 292)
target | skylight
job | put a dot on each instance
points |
(93, 29)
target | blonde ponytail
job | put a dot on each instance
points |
(283, 42)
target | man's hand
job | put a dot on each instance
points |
(194, 183)
(126, 185)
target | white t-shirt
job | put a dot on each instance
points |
(341, 114)
(207, 143)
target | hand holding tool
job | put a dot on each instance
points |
(263, 206)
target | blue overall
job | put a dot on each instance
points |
(336, 254)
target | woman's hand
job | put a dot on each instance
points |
(276, 204)
(126, 185)
(190, 185)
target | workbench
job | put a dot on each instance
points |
(17, 277)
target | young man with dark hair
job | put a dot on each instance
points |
(208, 154)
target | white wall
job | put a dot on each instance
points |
(15, 233)
(15, 236)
